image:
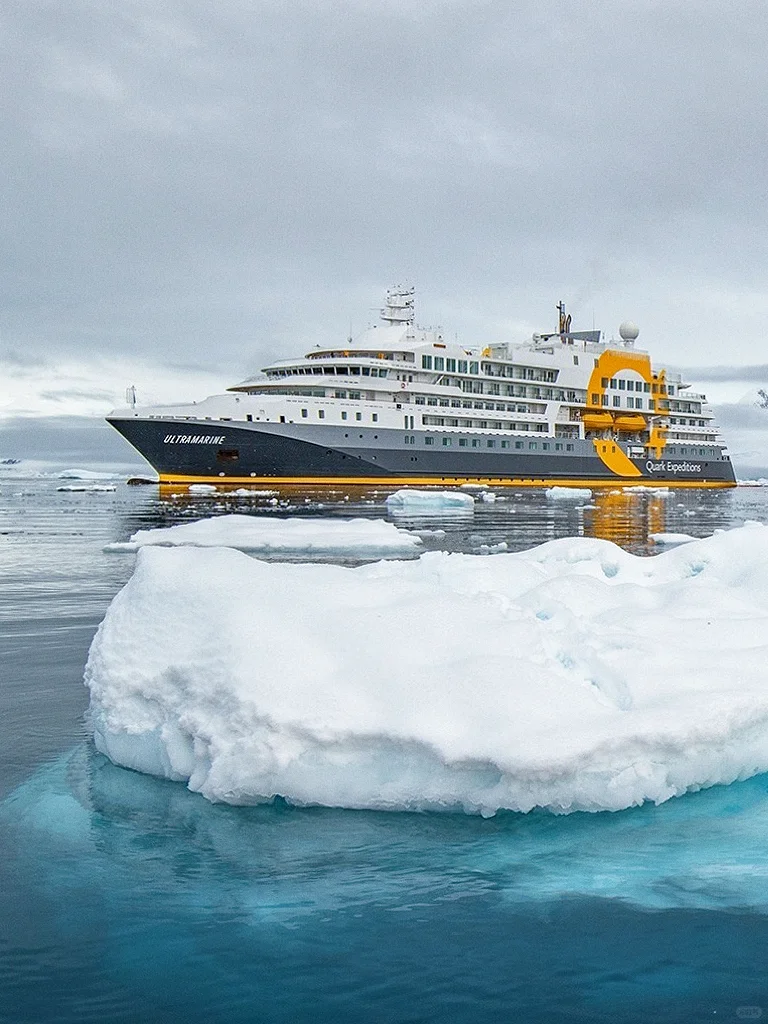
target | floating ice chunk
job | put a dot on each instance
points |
(670, 538)
(569, 493)
(572, 676)
(202, 488)
(79, 488)
(473, 487)
(357, 538)
(84, 474)
(413, 502)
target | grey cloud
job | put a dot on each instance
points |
(722, 374)
(227, 183)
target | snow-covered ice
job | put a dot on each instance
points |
(569, 493)
(202, 488)
(670, 538)
(87, 488)
(571, 676)
(413, 502)
(84, 474)
(357, 538)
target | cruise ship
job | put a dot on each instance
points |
(404, 405)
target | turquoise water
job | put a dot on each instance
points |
(127, 898)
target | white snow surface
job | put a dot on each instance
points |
(360, 538)
(413, 502)
(569, 493)
(573, 676)
(84, 474)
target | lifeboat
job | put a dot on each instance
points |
(629, 422)
(598, 420)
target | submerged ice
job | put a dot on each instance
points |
(571, 676)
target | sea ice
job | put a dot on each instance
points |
(670, 538)
(93, 488)
(413, 502)
(571, 676)
(84, 474)
(569, 493)
(358, 538)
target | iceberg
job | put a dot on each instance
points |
(574, 676)
(419, 503)
(354, 538)
(87, 488)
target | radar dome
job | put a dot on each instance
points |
(629, 331)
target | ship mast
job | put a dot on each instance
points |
(399, 308)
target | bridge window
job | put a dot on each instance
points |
(426, 362)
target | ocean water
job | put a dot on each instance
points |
(126, 898)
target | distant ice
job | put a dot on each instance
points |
(357, 538)
(84, 474)
(569, 493)
(670, 538)
(413, 502)
(80, 488)
(573, 676)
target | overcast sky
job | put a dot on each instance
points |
(192, 189)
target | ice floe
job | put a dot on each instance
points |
(670, 538)
(571, 676)
(569, 493)
(356, 538)
(84, 474)
(87, 488)
(413, 502)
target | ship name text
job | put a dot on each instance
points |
(665, 466)
(193, 439)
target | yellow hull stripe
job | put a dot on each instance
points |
(431, 481)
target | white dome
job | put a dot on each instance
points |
(628, 331)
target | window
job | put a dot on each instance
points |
(638, 403)
(374, 417)
(575, 360)
(630, 385)
(304, 413)
(446, 442)
(426, 362)
(462, 366)
(490, 444)
(505, 444)
(450, 365)
(622, 385)
(545, 446)
(518, 444)
(429, 440)
(343, 415)
(613, 384)
(475, 443)
(605, 400)
(340, 394)
(595, 399)
(439, 363)
(474, 367)
(533, 445)
(366, 370)
(249, 418)
(462, 442)
(651, 404)
(558, 447)
(646, 388)
(617, 400)
(604, 382)
(358, 416)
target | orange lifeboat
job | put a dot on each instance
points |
(629, 422)
(597, 420)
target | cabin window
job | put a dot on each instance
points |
(617, 400)
(569, 447)
(604, 382)
(490, 444)
(374, 417)
(227, 455)
(419, 400)
(439, 363)
(366, 371)
(282, 419)
(558, 447)
(304, 413)
(343, 415)
(462, 442)
(622, 385)
(518, 444)
(575, 360)
(249, 418)
(462, 366)
(545, 446)
(595, 399)
(446, 442)
(505, 444)
(450, 365)
(604, 400)
(358, 416)
(474, 367)
(426, 362)
(321, 414)
(429, 440)
(533, 444)
(646, 388)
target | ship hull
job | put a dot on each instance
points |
(223, 452)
